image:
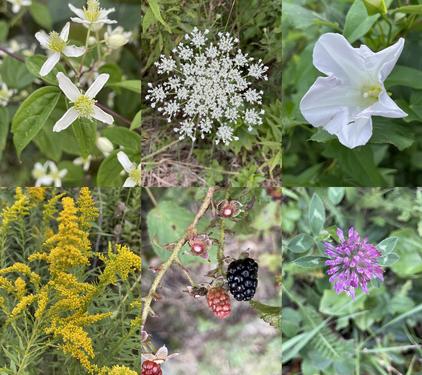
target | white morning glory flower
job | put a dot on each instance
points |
(133, 170)
(114, 39)
(18, 4)
(83, 104)
(92, 16)
(5, 94)
(56, 44)
(344, 102)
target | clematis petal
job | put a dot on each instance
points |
(333, 55)
(102, 116)
(124, 161)
(64, 34)
(383, 62)
(130, 182)
(68, 87)
(79, 20)
(98, 84)
(385, 106)
(77, 11)
(49, 64)
(326, 98)
(42, 38)
(73, 51)
(356, 133)
(66, 120)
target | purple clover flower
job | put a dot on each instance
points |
(353, 263)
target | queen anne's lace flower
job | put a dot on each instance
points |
(209, 87)
(353, 263)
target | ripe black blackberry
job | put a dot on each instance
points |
(242, 276)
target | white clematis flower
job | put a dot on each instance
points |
(133, 170)
(344, 102)
(83, 104)
(40, 174)
(5, 94)
(18, 4)
(56, 174)
(84, 162)
(92, 16)
(56, 44)
(114, 39)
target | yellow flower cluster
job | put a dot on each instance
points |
(36, 194)
(50, 209)
(87, 209)
(42, 300)
(14, 212)
(24, 302)
(121, 370)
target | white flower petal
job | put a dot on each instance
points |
(333, 55)
(42, 38)
(66, 120)
(105, 12)
(67, 86)
(73, 51)
(64, 34)
(49, 64)
(102, 116)
(16, 8)
(98, 84)
(44, 181)
(130, 182)
(124, 161)
(77, 11)
(326, 98)
(385, 106)
(356, 133)
(79, 20)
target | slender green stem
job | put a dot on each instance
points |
(88, 34)
(220, 254)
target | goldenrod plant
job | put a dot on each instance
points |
(69, 282)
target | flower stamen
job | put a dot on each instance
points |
(84, 106)
(56, 43)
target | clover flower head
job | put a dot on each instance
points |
(83, 104)
(344, 102)
(208, 87)
(353, 263)
(92, 15)
(5, 94)
(133, 170)
(56, 44)
(18, 4)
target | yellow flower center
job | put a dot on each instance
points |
(371, 92)
(84, 106)
(56, 43)
(135, 174)
(92, 11)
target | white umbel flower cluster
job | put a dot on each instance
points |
(209, 87)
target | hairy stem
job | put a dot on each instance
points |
(173, 257)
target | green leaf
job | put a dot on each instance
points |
(375, 6)
(269, 314)
(34, 64)
(388, 259)
(114, 71)
(155, 8)
(310, 261)
(137, 121)
(358, 23)
(387, 131)
(335, 304)
(41, 15)
(405, 76)
(85, 132)
(336, 194)
(48, 143)
(123, 137)
(109, 172)
(32, 115)
(301, 243)
(409, 9)
(4, 128)
(15, 74)
(132, 85)
(4, 30)
(409, 249)
(316, 214)
(388, 245)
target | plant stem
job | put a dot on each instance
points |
(160, 150)
(86, 51)
(13, 55)
(173, 257)
(220, 254)
(114, 114)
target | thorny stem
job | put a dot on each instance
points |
(220, 254)
(173, 257)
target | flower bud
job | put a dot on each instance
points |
(375, 6)
(116, 38)
(227, 209)
(104, 145)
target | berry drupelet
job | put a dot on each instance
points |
(151, 368)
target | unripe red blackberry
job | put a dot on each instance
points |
(151, 368)
(242, 277)
(219, 302)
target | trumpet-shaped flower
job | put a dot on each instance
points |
(344, 102)
(92, 16)
(133, 170)
(56, 44)
(18, 4)
(353, 263)
(83, 104)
